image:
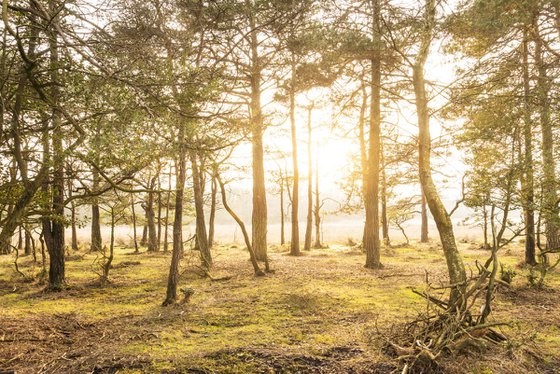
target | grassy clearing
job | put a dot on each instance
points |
(322, 312)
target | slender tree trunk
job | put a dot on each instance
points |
(455, 266)
(109, 261)
(201, 236)
(134, 228)
(56, 248)
(96, 241)
(212, 219)
(253, 258)
(550, 196)
(294, 244)
(317, 209)
(74, 232)
(384, 220)
(371, 237)
(363, 149)
(173, 279)
(28, 247)
(282, 227)
(159, 207)
(527, 179)
(151, 219)
(309, 225)
(485, 226)
(259, 216)
(166, 237)
(424, 236)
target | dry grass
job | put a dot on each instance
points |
(322, 312)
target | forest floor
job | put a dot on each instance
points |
(322, 312)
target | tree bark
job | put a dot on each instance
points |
(527, 178)
(294, 244)
(201, 236)
(384, 220)
(424, 235)
(96, 241)
(371, 237)
(455, 266)
(173, 278)
(212, 219)
(309, 225)
(259, 215)
(550, 209)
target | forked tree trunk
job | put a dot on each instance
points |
(252, 256)
(455, 266)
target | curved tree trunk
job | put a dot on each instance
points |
(455, 266)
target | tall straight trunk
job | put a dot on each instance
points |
(96, 241)
(384, 220)
(56, 247)
(363, 148)
(259, 215)
(74, 232)
(201, 236)
(550, 196)
(282, 227)
(294, 245)
(159, 207)
(371, 234)
(212, 219)
(151, 219)
(424, 235)
(309, 226)
(134, 226)
(166, 237)
(317, 208)
(527, 179)
(180, 169)
(455, 266)
(28, 238)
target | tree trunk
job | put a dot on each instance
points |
(55, 245)
(309, 225)
(166, 237)
(282, 227)
(424, 236)
(212, 219)
(317, 209)
(253, 258)
(96, 241)
(201, 236)
(549, 186)
(371, 237)
(455, 266)
(134, 233)
(74, 239)
(144, 240)
(151, 220)
(294, 244)
(28, 247)
(259, 215)
(527, 179)
(173, 279)
(384, 220)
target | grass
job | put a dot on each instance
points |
(321, 312)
